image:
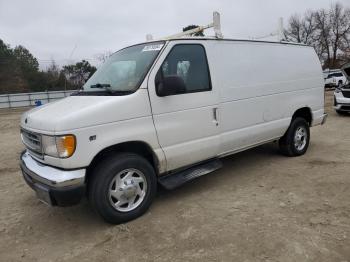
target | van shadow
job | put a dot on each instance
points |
(234, 167)
(76, 218)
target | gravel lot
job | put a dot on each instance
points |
(260, 206)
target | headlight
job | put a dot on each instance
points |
(49, 145)
(58, 146)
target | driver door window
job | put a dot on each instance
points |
(189, 62)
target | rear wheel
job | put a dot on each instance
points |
(122, 187)
(296, 140)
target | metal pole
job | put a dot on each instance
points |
(280, 29)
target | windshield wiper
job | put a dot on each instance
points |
(98, 85)
(107, 88)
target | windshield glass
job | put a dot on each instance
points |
(124, 70)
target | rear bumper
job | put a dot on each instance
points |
(53, 186)
(319, 117)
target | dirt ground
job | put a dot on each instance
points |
(260, 206)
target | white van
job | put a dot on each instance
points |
(165, 112)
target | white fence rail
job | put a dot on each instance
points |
(31, 99)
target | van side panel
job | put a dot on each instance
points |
(261, 86)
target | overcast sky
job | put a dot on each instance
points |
(80, 29)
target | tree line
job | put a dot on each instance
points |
(328, 31)
(19, 72)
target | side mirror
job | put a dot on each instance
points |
(171, 85)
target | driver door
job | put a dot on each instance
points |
(187, 124)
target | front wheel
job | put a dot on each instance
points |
(122, 187)
(296, 140)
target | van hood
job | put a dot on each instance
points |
(346, 70)
(82, 111)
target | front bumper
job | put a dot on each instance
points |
(53, 186)
(341, 103)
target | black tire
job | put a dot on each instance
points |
(102, 176)
(287, 142)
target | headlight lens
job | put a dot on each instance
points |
(59, 146)
(49, 145)
(65, 145)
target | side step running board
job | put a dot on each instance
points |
(175, 180)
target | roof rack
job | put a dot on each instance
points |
(279, 33)
(215, 24)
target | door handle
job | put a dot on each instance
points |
(215, 116)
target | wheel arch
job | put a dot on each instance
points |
(303, 112)
(138, 147)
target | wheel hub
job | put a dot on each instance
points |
(128, 188)
(300, 138)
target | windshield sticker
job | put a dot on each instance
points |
(152, 47)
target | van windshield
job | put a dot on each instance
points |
(124, 70)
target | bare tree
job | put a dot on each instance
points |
(293, 33)
(53, 70)
(322, 35)
(328, 31)
(301, 30)
(339, 22)
(309, 26)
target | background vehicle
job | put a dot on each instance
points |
(327, 72)
(342, 93)
(165, 112)
(335, 79)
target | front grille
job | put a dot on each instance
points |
(32, 141)
(346, 93)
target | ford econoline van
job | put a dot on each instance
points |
(164, 113)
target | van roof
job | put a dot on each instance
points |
(235, 40)
(217, 39)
